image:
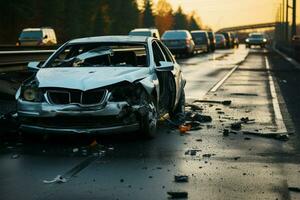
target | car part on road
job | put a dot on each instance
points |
(275, 135)
(181, 178)
(57, 179)
(226, 102)
(177, 195)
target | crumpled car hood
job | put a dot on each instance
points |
(87, 78)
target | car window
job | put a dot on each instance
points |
(101, 55)
(31, 35)
(157, 54)
(140, 33)
(166, 53)
(175, 35)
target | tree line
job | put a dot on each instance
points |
(80, 18)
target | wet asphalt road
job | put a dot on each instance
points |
(125, 166)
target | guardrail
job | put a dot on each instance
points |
(15, 58)
(9, 47)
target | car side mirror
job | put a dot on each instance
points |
(33, 66)
(165, 66)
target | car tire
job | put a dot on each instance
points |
(148, 122)
(180, 108)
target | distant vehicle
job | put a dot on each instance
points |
(201, 39)
(296, 42)
(256, 39)
(212, 39)
(220, 41)
(37, 37)
(235, 40)
(179, 42)
(150, 32)
(102, 85)
(228, 38)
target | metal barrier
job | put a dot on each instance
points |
(17, 57)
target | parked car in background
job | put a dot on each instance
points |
(37, 37)
(256, 39)
(179, 42)
(229, 43)
(235, 40)
(102, 85)
(296, 42)
(212, 40)
(201, 39)
(150, 32)
(220, 41)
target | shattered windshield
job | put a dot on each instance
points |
(100, 55)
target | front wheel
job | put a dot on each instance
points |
(148, 122)
(180, 108)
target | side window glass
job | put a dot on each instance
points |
(166, 53)
(157, 54)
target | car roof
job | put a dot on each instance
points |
(198, 31)
(36, 29)
(144, 29)
(113, 38)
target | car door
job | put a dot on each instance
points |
(177, 72)
(167, 83)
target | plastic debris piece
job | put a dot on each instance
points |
(75, 150)
(181, 178)
(177, 195)
(226, 102)
(225, 132)
(94, 143)
(294, 189)
(236, 126)
(57, 179)
(183, 129)
(15, 156)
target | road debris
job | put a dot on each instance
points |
(15, 156)
(75, 150)
(208, 155)
(226, 103)
(236, 158)
(192, 152)
(294, 189)
(181, 178)
(177, 195)
(225, 132)
(192, 116)
(194, 107)
(236, 126)
(57, 179)
(275, 135)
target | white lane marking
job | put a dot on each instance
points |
(216, 87)
(291, 60)
(278, 116)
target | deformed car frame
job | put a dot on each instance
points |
(101, 85)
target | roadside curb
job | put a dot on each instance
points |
(289, 59)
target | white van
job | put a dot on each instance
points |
(150, 32)
(37, 37)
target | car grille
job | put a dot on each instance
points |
(91, 97)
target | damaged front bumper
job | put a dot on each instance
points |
(111, 117)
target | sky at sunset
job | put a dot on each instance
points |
(225, 13)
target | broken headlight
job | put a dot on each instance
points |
(125, 92)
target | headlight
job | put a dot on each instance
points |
(32, 94)
(247, 40)
(125, 92)
(265, 40)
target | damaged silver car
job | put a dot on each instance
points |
(102, 85)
